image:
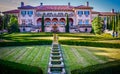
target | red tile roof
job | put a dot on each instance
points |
(95, 12)
(26, 7)
(106, 14)
(55, 8)
(83, 7)
(12, 11)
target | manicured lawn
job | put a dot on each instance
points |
(87, 39)
(80, 50)
(78, 57)
(20, 39)
(30, 55)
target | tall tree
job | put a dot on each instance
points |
(1, 23)
(42, 23)
(13, 25)
(6, 19)
(97, 25)
(67, 24)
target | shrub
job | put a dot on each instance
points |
(7, 67)
(105, 68)
(40, 42)
(88, 43)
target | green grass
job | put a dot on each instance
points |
(81, 57)
(30, 55)
(104, 40)
(20, 39)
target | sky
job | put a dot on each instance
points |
(99, 5)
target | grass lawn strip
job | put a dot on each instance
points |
(38, 59)
(66, 60)
(28, 59)
(17, 56)
(10, 56)
(80, 59)
(22, 58)
(35, 52)
(5, 49)
(86, 56)
(6, 53)
(45, 60)
(72, 58)
(93, 56)
(37, 55)
(110, 53)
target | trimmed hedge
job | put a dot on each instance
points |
(40, 42)
(88, 43)
(7, 67)
(105, 68)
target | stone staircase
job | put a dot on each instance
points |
(56, 62)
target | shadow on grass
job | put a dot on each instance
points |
(7, 67)
(105, 68)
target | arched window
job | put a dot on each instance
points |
(30, 13)
(47, 21)
(39, 21)
(86, 13)
(54, 21)
(23, 13)
(70, 21)
(62, 21)
(80, 13)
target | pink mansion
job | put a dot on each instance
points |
(80, 17)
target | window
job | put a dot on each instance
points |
(86, 13)
(62, 23)
(54, 22)
(105, 18)
(23, 13)
(30, 13)
(86, 22)
(80, 22)
(30, 21)
(23, 21)
(71, 23)
(48, 23)
(80, 13)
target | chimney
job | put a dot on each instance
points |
(87, 3)
(41, 4)
(69, 4)
(22, 4)
(112, 11)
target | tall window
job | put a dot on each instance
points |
(87, 22)
(23, 13)
(30, 13)
(30, 21)
(23, 21)
(80, 22)
(86, 13)
(80, 13)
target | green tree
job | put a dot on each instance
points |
(67, 24)
(1, 23)
(118, 23)
(97, 25)
(6, 20)
(42, 23)
(13, 25)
